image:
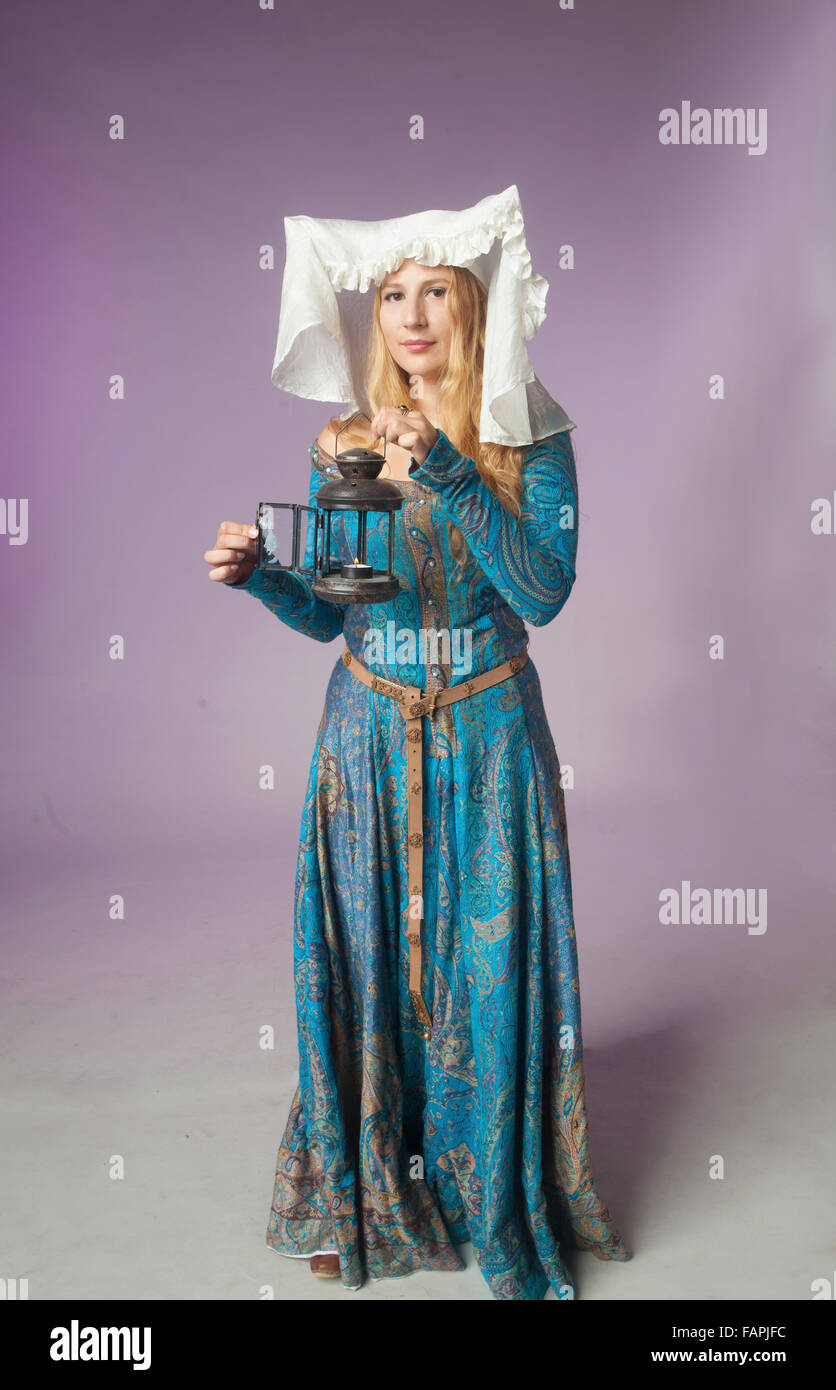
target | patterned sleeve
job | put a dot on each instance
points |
(290, 596)
(530, 559)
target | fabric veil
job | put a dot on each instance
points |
(333, 267)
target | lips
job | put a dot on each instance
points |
(416, 343)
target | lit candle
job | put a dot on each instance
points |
(357, 570)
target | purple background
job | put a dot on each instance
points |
(139, 777)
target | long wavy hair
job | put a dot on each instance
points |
(459, 395)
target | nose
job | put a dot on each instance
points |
(415, 315)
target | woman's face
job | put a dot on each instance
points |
(414, 317)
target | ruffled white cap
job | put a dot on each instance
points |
(331, 272)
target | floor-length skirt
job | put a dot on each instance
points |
(398, 1149)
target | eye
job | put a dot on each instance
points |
(435, 289)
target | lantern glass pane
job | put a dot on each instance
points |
(276, 523)
(307, 537)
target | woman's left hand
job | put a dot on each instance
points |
(412, 432)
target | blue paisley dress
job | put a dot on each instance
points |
(398, 1149)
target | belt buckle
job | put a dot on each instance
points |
(425, 704)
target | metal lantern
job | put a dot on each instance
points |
(360, 491)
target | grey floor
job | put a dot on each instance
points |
(138, 1040)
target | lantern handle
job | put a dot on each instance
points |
(338, 432)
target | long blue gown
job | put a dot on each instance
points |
(397, 1149)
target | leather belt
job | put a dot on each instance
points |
(414, 704)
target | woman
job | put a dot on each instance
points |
(454, 1111)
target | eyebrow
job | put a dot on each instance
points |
(429, 280)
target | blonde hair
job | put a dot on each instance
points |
(459, 395)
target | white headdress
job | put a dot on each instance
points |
(330, 275)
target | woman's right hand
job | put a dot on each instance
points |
(234, 554)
